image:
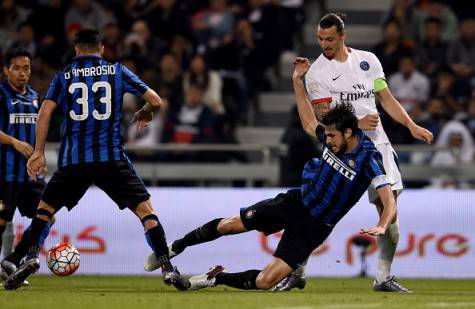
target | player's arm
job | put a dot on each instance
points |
(306, 113)
(145, 114)
(22, 147)
(133, 84)
(387, 198)
(153, 100)
(37, 163)
(374, 170)
(398, 113)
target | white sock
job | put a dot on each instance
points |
(8, 239)
(387, 245)
(301, 270)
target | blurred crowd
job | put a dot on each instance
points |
(428, 55)
(208, 60)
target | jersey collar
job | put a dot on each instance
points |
(85, 57)
(360, 134)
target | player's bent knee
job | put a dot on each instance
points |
(144, 209)
(264, 282)
(231, 225)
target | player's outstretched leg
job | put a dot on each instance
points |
(32, 262)
(206, 280)
(252, 279)
(208, 232)
(155, 236)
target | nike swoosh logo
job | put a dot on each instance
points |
(15, 102)
(334, 79)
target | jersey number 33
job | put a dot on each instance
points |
(83, 100)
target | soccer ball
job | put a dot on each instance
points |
(63, 259)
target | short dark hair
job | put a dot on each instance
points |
(88, 39)
(342, 117)
(333, 19)
(13, 53)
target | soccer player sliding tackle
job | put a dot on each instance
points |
(308, 214)
(347, 75)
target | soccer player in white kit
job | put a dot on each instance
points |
(343, 74)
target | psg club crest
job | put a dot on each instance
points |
(364, 65)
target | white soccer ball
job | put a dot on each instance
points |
(63, 259)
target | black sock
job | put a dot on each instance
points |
(2, 229)
(204, 233)
(156, 239)
(245, 280)
(37, 227)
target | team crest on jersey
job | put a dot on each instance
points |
(364, 65)
(351, 163)
(250, 213)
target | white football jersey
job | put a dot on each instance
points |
(351, 81)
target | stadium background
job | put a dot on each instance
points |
(246, 140)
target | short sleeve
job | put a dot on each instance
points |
(316, 90)
(377, 68)
(54, 90)
(374, 170)
(132, 83)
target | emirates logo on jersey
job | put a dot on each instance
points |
(360, 92)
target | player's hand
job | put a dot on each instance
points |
(22, 147)
(36, 165)
(143, 118)
(375, 231)
(369, 122)
(301, 67)
(421, 133)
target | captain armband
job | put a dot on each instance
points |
(380, 84)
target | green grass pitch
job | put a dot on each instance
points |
(91, 292)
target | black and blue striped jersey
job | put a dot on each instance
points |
(333, 183)
(90, 92)
(18, 114)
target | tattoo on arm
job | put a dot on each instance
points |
(321, 109)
